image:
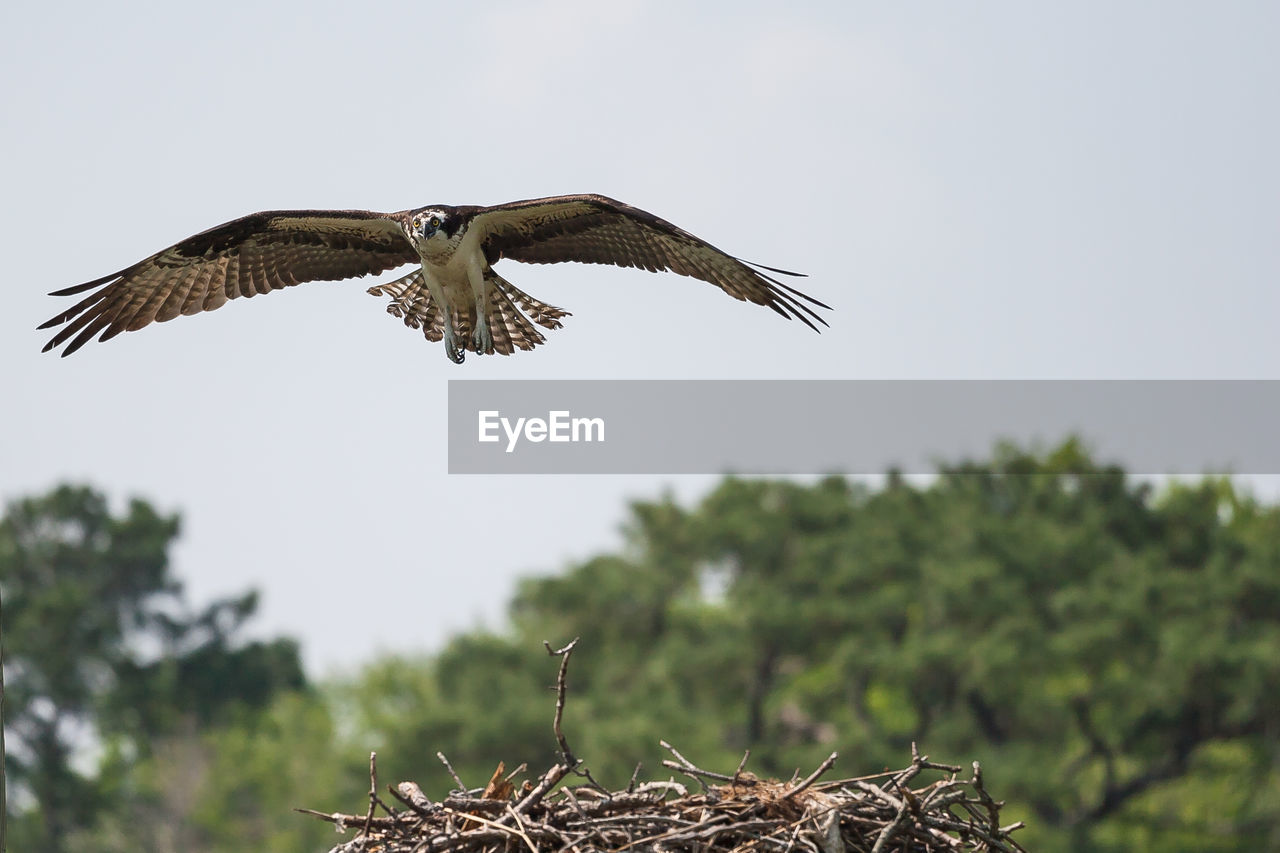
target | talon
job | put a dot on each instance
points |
(450, 347)
(483, 338)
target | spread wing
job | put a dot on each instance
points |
(254, 254)
(593, 229)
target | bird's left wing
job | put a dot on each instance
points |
(254, 254)
(594, 229)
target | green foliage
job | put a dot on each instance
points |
(1110, 653)
(85, 593)
(481, 700)
(233, 786)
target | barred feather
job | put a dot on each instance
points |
(273, 250)
(245, 257)
(510, 327)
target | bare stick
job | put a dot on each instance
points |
(373, 790)
(447, 766)
(631, 786)
(411, 795)
(881, 794)
(923, 761)
(586, 821)
(518, 832)
(811, 778)
(992, 807)
(741, 765)
(585, 773)
(888, 832)
(548, 781)
(567, 762)
(566, 755)
(342, 820)
(684, 762)
(688, 768)
(522, 831)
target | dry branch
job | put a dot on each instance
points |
(733, 813)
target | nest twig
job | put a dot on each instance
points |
(890, 811)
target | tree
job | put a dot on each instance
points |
(1111, 653)
(101, 649)
(232, 786)
(1093, 642)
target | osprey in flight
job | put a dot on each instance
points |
(454, 295)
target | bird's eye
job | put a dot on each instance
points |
(435, 222)
(417, 223)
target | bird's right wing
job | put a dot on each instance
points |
(595, 229)
(254, 254)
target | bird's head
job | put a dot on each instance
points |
(426, 224)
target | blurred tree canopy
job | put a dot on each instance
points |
(100, 650)
(1111, 653)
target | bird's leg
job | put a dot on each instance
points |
(457, 356)
(436, 289)
(482, 336)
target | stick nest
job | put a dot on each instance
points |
(892, 811)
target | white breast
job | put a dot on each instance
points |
(448, 262)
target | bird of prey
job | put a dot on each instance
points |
(453, 295)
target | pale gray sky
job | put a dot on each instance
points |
(1083, 190)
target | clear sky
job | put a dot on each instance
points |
(995, 190)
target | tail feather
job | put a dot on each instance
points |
(501, 334)
(412, 302)
(547, 316)
(511, 329)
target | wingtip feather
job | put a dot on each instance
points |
(88, 285)
(772, 269)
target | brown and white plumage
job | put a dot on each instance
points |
(509, 305)
(455, 295)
